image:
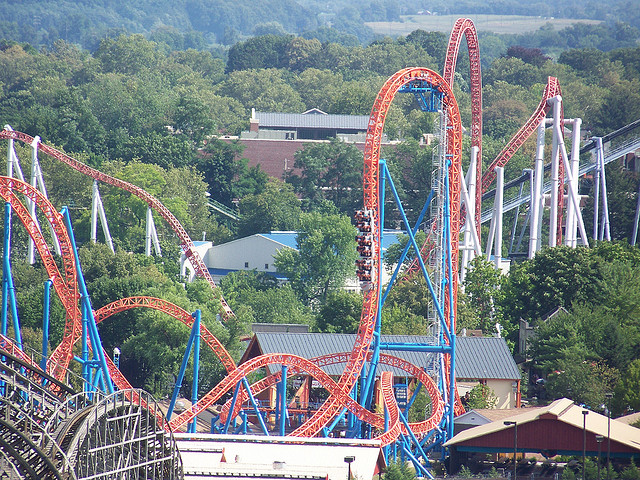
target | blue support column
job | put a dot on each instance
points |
(96, 345)
(6, 267)
(196, 367)
(283, 400)
(256, 408)
(45, 324)
(452, 313)
(232, 407)
(183, 368)
(8, 291)
(423, 268)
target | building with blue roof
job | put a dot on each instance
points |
(256, 253)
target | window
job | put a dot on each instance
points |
(246, 264)
(266, 266)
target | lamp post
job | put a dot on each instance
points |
(608, 396)
(599, 439)
(515, 444)
(584, 439)
(116, 357)
(348, 461)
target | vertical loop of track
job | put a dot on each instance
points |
(371, 203)
(465, 26)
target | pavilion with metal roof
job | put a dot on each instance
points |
(478, 359)
(556, 429)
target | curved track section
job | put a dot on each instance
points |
(170, 309)
(418, 428)
(372, 204)
(26, 460)
(465, 26)
(551, 90)
(120, 435)
(65, 286)
(185, 241)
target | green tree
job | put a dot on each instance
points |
(266, 90)
(627, 392)
(482, 396)
(340, 313)
(217, 163)
(276, 208)
(483, 284)
(399, 471)
(325, 256)
(265, 51)
(330, 171)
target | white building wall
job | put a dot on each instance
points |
(249, 253)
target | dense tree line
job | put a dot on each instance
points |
(201, 25)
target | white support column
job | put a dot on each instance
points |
(467, 253)
(537, 206)
(95, 195)
(147, 236)
(555, 170)
(571, 233)
(634, 236)
(151, 236)
(596, 192)
(604, 226)
(10, 153)
(573, 192)
(498, 208)
(97, 211)
(31, 205)
(475, 240)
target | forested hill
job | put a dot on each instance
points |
(203, 24)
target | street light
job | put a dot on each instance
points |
(599, 439)
(348, 461)
(515, 444)
(116, 357)
(584, 439)
(609, 396)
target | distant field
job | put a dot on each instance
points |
(492, 23)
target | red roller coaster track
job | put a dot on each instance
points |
(465, 26)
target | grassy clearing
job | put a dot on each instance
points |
(493, 23)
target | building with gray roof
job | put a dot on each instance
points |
(485, 360)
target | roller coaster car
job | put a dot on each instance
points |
(364, 264)
(363, 275)
(364, 240)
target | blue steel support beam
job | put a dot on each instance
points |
(403, 256)
(6, 267)
(232, 407)
(196, 367)
(437, 302)
(183, 369)
(283, 400)
(256, 408)
(45, 324)
(452, 313)
(97, 346)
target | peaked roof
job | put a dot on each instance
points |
(551, 427)
(285, 238)
(488, 358)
